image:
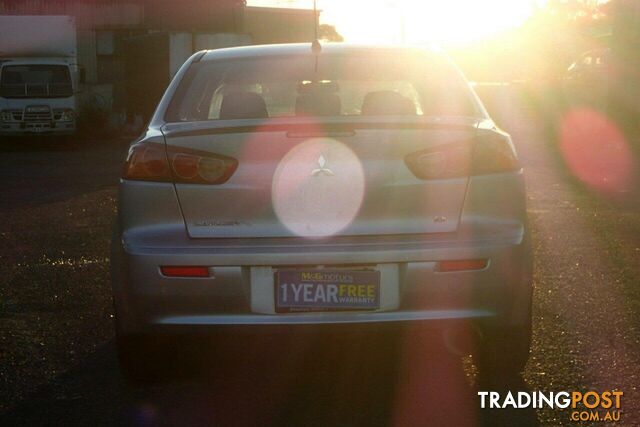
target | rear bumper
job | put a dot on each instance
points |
(414, 291)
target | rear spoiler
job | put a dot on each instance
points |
(309, 128)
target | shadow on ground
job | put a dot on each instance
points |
(39, 171)
(406, 378)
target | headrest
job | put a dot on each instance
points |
(318, 104)
(243, 105)
(385, 103)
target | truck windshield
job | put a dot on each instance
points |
(35, 81)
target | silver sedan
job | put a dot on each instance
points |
(290, 186)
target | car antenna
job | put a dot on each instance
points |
(316, 48)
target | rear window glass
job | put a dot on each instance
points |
(335, 86)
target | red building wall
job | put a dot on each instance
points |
(172, 15)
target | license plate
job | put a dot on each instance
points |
(326, 290)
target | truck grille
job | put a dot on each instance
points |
(16, 115)
(37, 116)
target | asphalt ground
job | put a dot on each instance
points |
(57, 354)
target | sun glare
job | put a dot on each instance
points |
(448, 22)
(461, 21)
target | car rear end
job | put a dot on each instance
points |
(276, 187)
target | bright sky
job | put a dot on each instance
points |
(416, 21)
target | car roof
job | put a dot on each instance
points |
(295, 49)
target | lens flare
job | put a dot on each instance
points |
(596, 151)
(318, 188)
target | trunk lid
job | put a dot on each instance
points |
(321, 180)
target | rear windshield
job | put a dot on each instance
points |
(35, 81)
(334, 86)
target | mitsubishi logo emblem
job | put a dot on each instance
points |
(322, 170)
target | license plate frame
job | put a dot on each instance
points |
(309, 290)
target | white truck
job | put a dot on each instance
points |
(38, 75)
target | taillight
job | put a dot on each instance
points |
(490, 152)
(461, 265)
(155, 162)
(441, 162)
(184, 271)
(147, 162)
(493, 153)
